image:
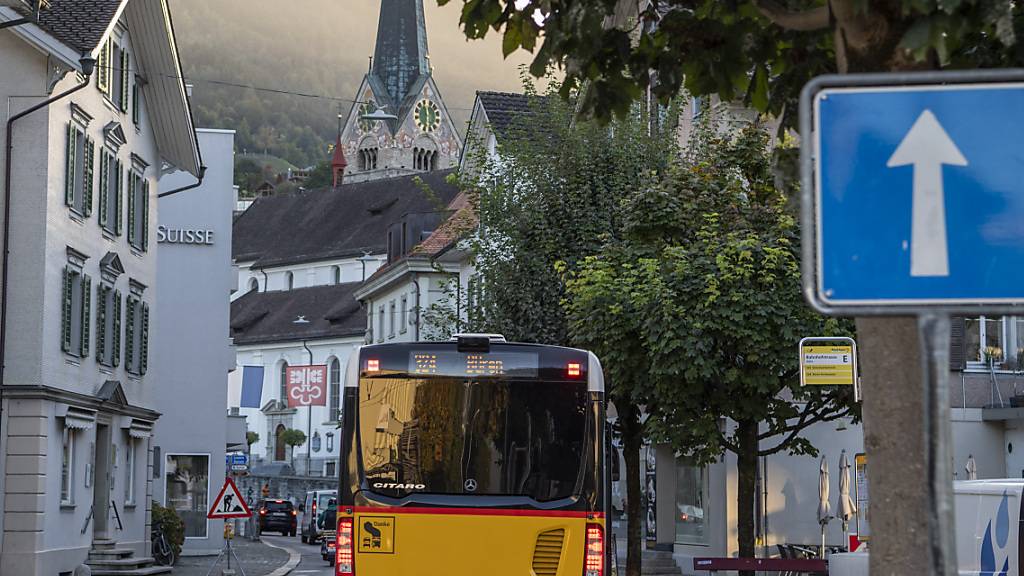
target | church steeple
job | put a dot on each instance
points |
(400, 56)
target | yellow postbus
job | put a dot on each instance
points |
(473, 456)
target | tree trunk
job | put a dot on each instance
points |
(632, 441)
(746, 491)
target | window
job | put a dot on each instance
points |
(336, 274)
(108, 325)
(289, 280)
(424, 159)
(695, 107)
(691, 496)
(284, 382)
(994, 339)
(138, 211)
(75, 312)
(368, 158)
(380, 326)
(136, 344)
(330, 468)
(111, 184)
(391, 319)
(129, 472)
(403, 319)
(187, 490)
(79, 170)
(254, 285)
(334, 392)
(67, 467)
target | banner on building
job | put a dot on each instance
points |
(252, 387)
(307, 385)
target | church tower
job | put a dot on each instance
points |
(400, 80)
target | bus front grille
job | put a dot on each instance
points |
(547, 552)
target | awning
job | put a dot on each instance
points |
(137, 428)
(79, 418)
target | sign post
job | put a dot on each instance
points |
(829, 361)
(911, 206)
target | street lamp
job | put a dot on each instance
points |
(378, 115)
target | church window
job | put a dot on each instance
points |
(336, 274)
(424, 159)
(289, 280)
(254, 285)
(283, 382)
(367, 158)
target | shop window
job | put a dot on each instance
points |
(187, 478)
(691, 503)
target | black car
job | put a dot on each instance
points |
(278, 516)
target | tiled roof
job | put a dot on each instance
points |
(507, 112)
(311, 225)
(79, 23)
(329, 311)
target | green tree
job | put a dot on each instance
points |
(320, 176)
(700, 298)
(292, 438)
(550, 200)
(759, 51)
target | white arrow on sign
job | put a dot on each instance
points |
(928, 147)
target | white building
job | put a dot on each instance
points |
(78, 402)
(195, 281)
(300, 257)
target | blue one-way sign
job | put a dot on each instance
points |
(919, 195)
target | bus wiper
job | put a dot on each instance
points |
(468, 428)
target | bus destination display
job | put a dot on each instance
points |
(472, 363)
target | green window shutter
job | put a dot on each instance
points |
(129, 335)
(135, 102)
(131, 210)
(124, 81)
(86, 313)
(69, 179)
(145, 215)
(144, 341)
(103, 69)
(104, 187)
(115, 344)
(119, 196)
(101, 322)
(88, 155)
(65, 318)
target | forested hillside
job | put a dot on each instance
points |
(312, 47)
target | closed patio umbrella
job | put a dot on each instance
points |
(846, 506)
(971, 468)
(824, 507)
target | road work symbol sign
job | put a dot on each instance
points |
(918, 198)
(377, 534)
(828, 362)
(229, 503)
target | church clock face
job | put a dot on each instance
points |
(367, 125)
(427, 115)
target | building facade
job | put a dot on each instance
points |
(420, 136)
(79, 402)
(195, 281)
(300, 257)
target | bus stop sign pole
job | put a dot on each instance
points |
(907, 180)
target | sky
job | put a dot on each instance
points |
(324, 45)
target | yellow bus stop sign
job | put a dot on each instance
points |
(825, 362)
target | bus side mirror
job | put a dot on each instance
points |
(615, 464)
(302, 507)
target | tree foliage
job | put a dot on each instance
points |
(759, 51)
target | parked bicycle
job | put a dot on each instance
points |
(163, 552)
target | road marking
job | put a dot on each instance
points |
(293, 559)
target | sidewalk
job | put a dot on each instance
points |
(257, 558)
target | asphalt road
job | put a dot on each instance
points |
(311, 564)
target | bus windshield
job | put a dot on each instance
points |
(458, 435)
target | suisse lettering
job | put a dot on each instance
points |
(167, 235)
(395, 486)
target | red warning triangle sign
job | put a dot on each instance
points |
(229, 503)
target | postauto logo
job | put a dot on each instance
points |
(990, 549)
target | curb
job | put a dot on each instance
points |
(293, 560)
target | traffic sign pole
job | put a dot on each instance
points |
(910, 183)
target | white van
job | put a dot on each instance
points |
(988, 531)
(316, 500)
